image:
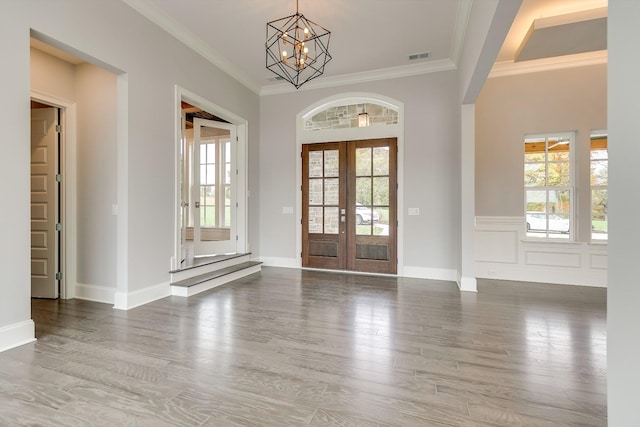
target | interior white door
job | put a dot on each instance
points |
(44, 203)
(213, 203)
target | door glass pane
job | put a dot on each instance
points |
(315, 164)
(363, 191)
(315, 220)
(211, 175)
(381, 161)
(331, 191)
(331, 220)
(364, 220)
(381, 222)
(331, 163)
(211, 153)
(315, 191)
(363, 162)
(203, 154)
(381, 191)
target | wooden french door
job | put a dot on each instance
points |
(349, 219)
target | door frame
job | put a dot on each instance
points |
(351, 134)
(242, 125)
(67, 197)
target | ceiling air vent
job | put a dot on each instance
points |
(421, 55)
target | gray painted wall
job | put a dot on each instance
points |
(510, 107)
(432, 129)
(154, 62)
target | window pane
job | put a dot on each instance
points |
(331, 163)
(599, 172)
(210, 216)
(211, 153)
(599, 219)
(315, 220)
(363, 162)
(331, 191)
(315, 164)
(227, 173)
(227, 152)
(534, 175)
(363, 191)
(331, 220)
(381, 161)
(315, 191)
(559, 174)
(536, 201)
(381, 191)
(203, 153)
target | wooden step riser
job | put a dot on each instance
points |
(202, 269)
(210, 284)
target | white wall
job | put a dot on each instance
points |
(506, 110)
(96, 97)
(623, 294)
(431, 171)
(152, 63)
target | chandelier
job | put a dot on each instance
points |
(297, 48)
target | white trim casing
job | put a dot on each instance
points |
(511, 68)
(17, 334)
(503, 252)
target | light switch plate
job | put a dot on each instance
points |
(414, 211)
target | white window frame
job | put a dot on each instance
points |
(220, 145)
(571, 187)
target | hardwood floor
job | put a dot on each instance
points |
(289, 347)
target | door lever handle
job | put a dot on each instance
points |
(197, 204)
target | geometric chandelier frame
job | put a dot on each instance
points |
(297, 48)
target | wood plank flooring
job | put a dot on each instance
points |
(288, 347)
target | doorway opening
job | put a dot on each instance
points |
(211, 177)
(46, 212)
(371, 244)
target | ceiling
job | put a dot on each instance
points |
(370, 39)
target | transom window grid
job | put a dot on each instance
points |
(215, 201)
(346, 116)
(548, 182)
(599, 178)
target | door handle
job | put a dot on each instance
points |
(197, 204)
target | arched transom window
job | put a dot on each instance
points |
(350, 116)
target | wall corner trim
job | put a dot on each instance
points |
(17, 334)
(468, 284)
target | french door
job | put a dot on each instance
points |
(213, 195)
(349, 218)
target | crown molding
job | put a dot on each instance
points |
(192, 41)
(365, 76)
(511, 68)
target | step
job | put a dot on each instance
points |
(203, 282)
(205, 265)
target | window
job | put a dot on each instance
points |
(548, 185)
(599, 182)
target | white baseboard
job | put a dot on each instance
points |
(281, 262)
(468, 284)
(96, 293)
(129, 300)
(449, 275)
(17, 334)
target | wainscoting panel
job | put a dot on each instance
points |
(502, 251)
